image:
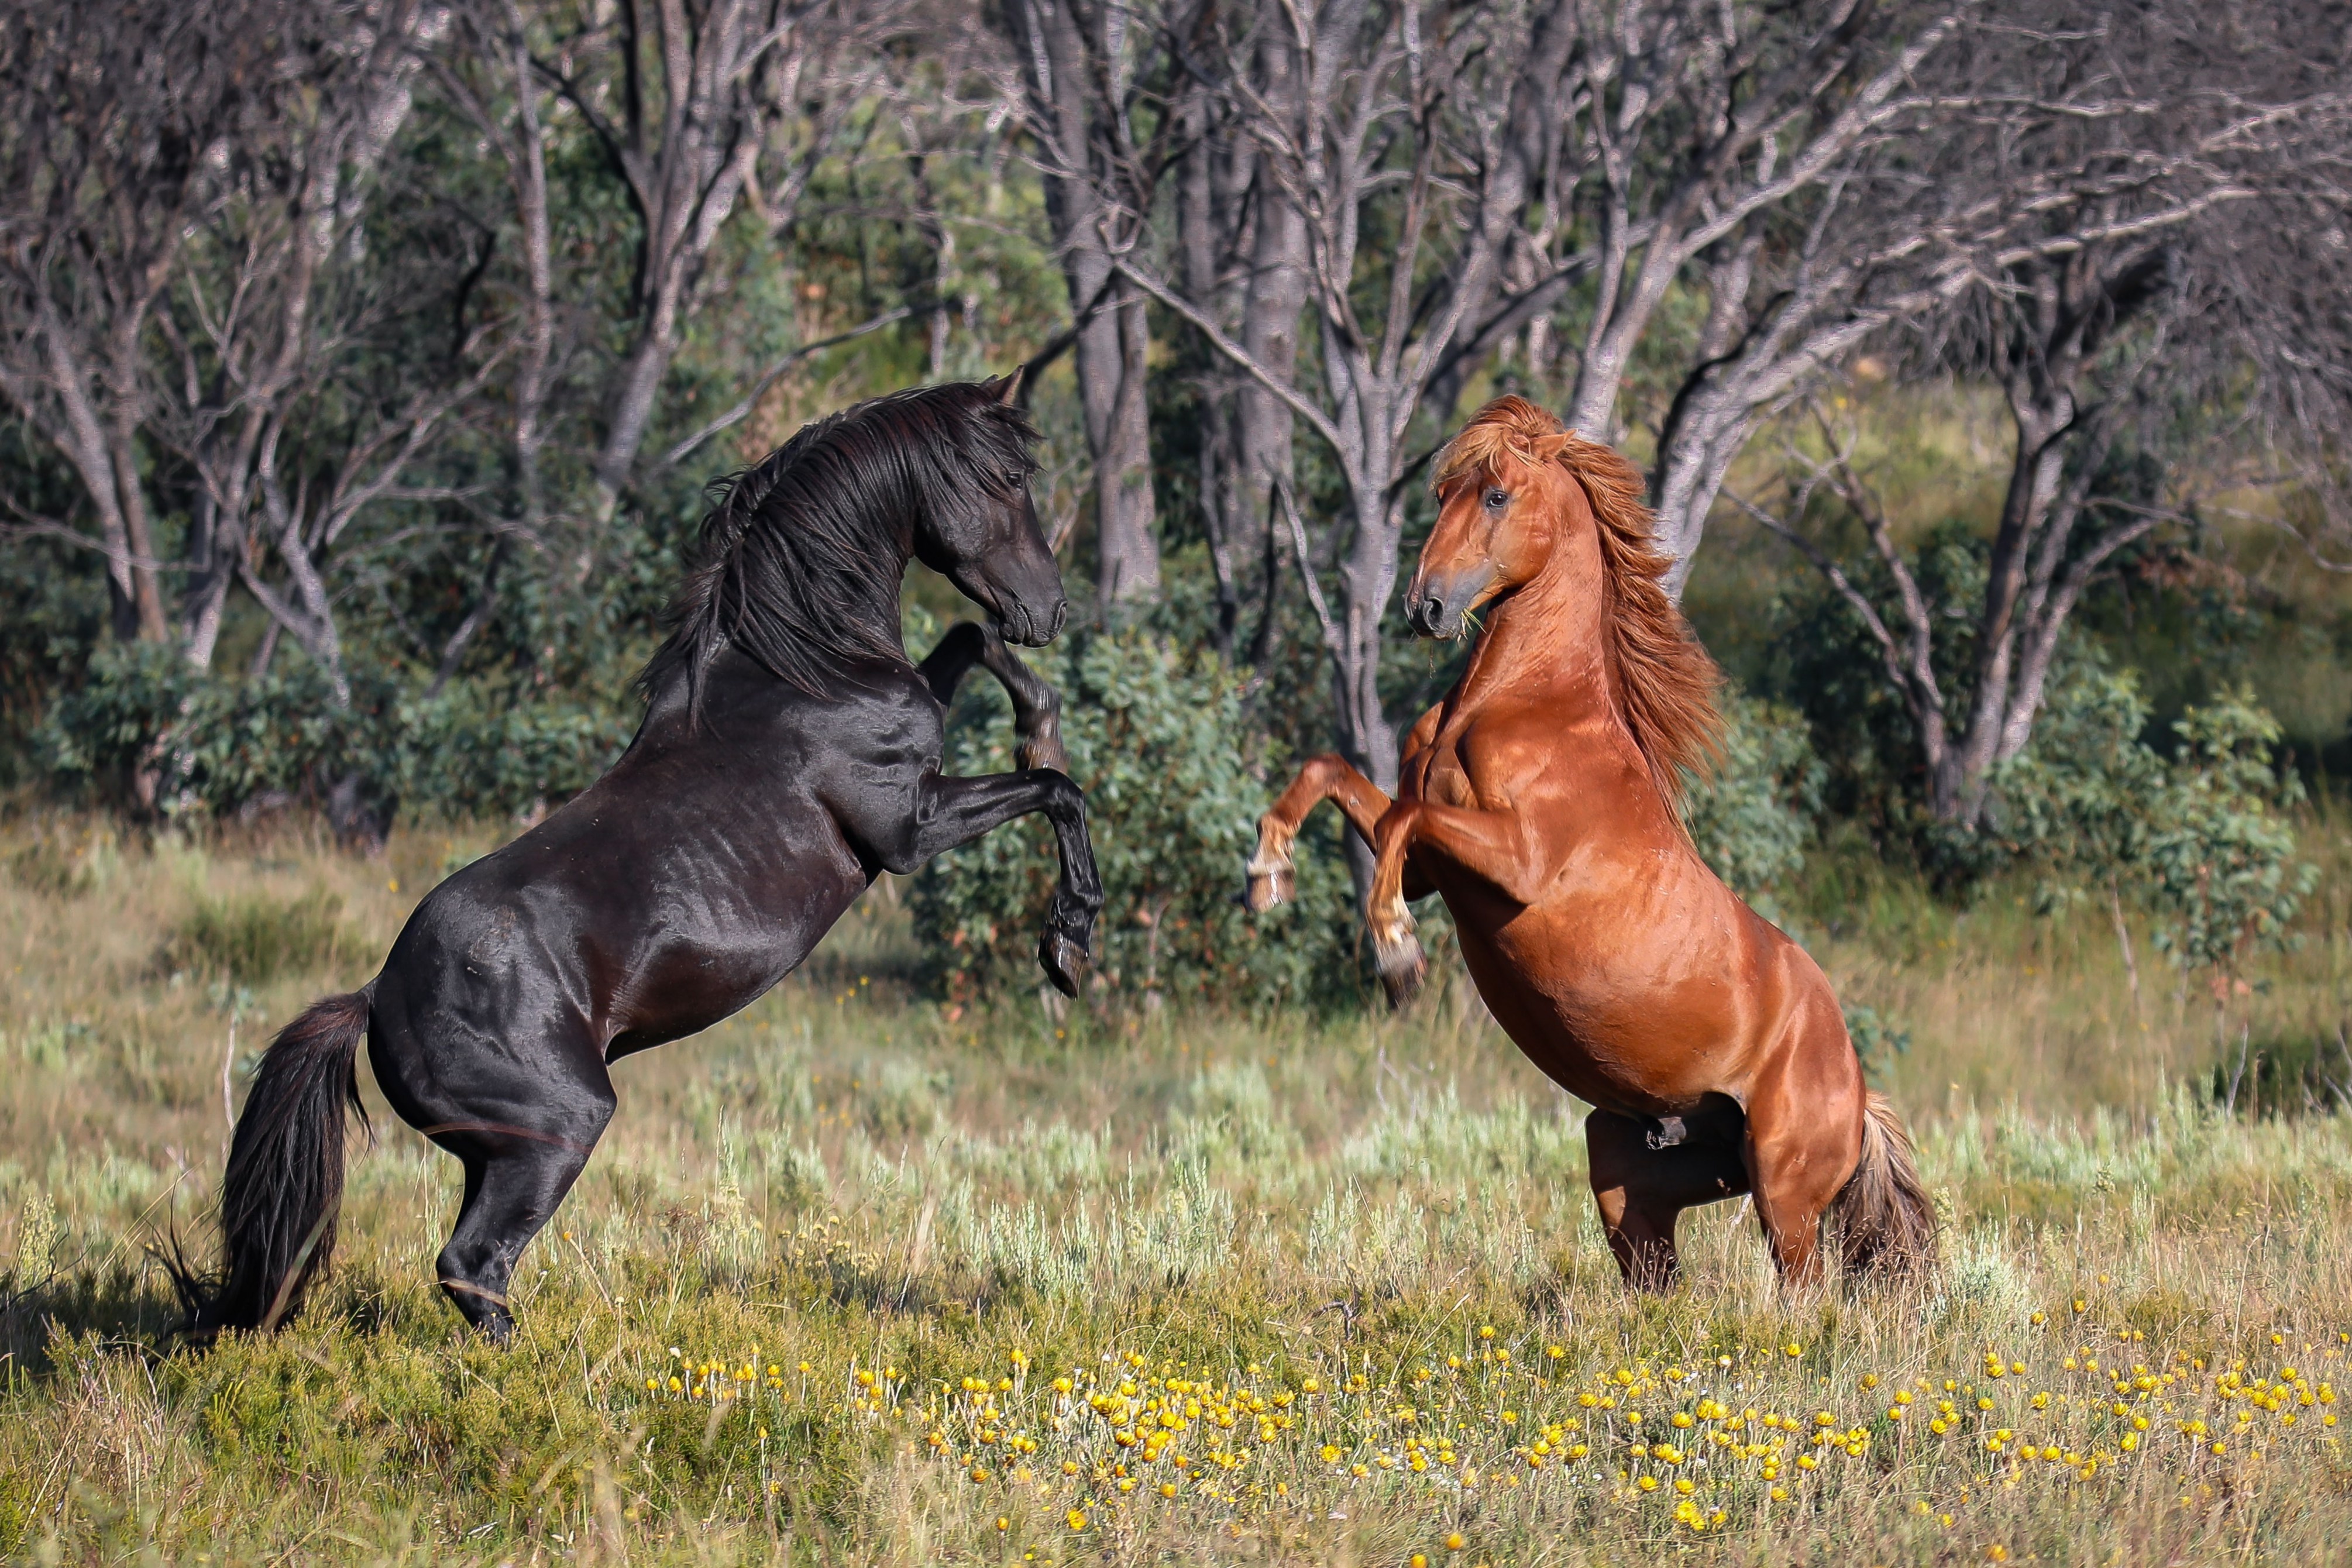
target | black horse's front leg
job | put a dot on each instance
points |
(1036, 706)
(952, 812)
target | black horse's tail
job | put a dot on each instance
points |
(284, 1177)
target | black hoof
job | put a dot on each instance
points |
(486, 1313)
(1064, 959)
(1044, 749)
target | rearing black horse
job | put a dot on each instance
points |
(789, 752)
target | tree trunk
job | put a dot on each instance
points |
(1126, 544)
(1957, 790)
(1271, 308)
(1060, 65)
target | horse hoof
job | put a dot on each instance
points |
(1267, 889)
(1044, 752)
(1402, 968)
(1064, 961)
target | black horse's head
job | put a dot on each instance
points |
(802, 553)
(978, 526)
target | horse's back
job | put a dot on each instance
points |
(678, 889)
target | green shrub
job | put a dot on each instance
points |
(1754, 815)
(148, 732)
(1175, 781)
(2080, 802)
(2202, 838)
(253, 938)
(2220, 853)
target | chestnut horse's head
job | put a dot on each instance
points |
(1520, 496)
(1503, 498)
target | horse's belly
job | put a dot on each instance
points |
(1624, 1020)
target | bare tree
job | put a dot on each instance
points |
(179, 282)
(1552, 165)
(1089, 70)
(264, 323)
(1392, 135)
(2131, 217)
(1241, 246)
(101, 184)
(697, 106)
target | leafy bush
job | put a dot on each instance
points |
(1755, 813)
(2203, 838)
(1159, 740)
(147, 731)
(2219, 856)
(2080, 802)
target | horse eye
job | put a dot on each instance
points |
(1497, 500)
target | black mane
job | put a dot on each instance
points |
(801, 554)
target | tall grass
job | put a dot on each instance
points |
(843, 1254)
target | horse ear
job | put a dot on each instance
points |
(1008, 388)
(1548, 448)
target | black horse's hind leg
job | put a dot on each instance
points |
(523, 1122)
(1036, 706)
(509, 1194)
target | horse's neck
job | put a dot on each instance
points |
(1541, 647)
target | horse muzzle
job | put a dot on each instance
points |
(1029, 627)
(1439, 606)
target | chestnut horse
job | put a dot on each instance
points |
(1540, 800)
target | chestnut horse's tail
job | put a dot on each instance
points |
(285, 1178)
(1886, 1220)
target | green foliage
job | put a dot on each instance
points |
(1822, 661)
(253, 938)
(1160, 742)
(2218, 859)
(2203, 836)
(1875, 1041)
(1755, 813)
(2081, 801)
(146, 730)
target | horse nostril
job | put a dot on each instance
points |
(1433, 610)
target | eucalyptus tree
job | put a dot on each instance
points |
(2137, 233)
(1547, 171)
(187, 311)
(1092, 90)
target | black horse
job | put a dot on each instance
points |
(789, 753)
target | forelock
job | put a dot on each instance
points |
(1510, 428)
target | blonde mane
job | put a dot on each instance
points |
(1663, 681)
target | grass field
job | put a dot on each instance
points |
(852, 1281)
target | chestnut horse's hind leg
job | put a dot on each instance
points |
(1643, 1190)
(1273, 878)
(1804, 1140)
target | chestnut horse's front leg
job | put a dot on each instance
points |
(1490, 845)
(1273, 877)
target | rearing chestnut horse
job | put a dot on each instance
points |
(790, 753)
(1540, 799)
